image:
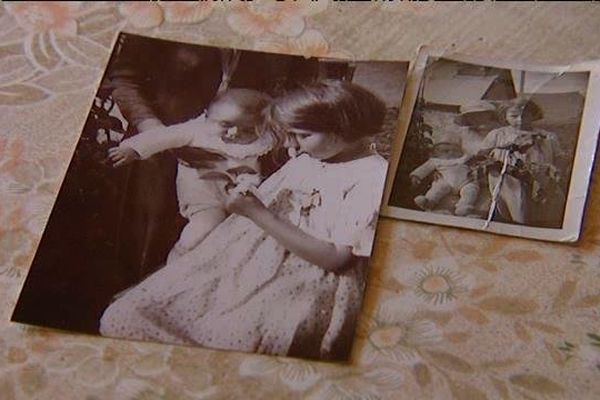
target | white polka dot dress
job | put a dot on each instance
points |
(241, 290)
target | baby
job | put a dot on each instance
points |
(225, 134)
(448, 161)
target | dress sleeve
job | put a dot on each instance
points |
(491, 140)
(360, 211)
(128, 79)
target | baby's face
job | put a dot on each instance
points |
(225, 114)
(447, 151)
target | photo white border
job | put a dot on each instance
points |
(583, 161)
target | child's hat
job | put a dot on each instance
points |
(476, 107)
(448, 138)
(481, 106)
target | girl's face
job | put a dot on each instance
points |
(514, 117)
(319, 145)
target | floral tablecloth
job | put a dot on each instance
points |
(448, 314)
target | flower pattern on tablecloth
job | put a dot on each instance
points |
(311, 43)
(285, 18)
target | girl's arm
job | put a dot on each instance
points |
(326, 255)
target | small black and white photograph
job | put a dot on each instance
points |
(495, 148)
(220, 198)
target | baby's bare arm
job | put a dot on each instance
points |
(122, 155)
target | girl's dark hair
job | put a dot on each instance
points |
(337, 107)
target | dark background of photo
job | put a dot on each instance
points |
(562, 116)
(111, 227)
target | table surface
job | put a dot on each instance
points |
(449, 313)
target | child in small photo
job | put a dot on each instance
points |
(285, 273)
(453, 176)
(530, 155)
(476, 120)
(225, 134)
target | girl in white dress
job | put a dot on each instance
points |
(531, 155)
(285, 274)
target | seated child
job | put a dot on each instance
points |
(454, 177)
(226, 133)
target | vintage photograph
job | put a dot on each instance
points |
(496, 148)
(222, 198)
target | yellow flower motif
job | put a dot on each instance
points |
(152, 14)
(310, 44)
(439, 285)
(11, 153)
(297, 375)
(142, 14)
(388, 336)
(41, 17)
(266, 16)
(187, 12)
(51, 34)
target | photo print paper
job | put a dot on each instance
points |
(221, 198)
(497, 147)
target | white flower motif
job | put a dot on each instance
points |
(47, 16)
(397, 334)
(297, 375)
(134, 389)
(360, 385)
(589, 354)
(52, 34)
(91, 366)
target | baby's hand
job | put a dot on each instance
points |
(247, 182)
(122, 155)
(245, 204)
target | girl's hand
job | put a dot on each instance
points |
(499, 154)
(524, 141)
(245, 204)
(122, 155)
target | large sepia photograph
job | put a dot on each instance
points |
(221, 198)
(494, 147)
